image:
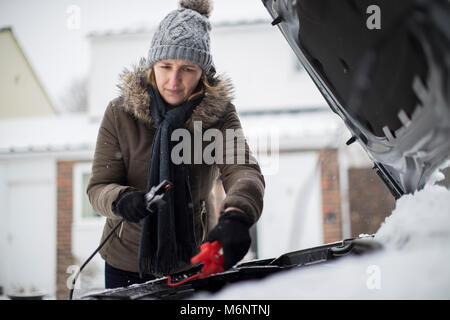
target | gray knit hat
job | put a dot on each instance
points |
(184, 34)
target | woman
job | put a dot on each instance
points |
(175, 89)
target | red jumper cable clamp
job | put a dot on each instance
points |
(211, 254)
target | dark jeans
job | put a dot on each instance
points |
(116, 278)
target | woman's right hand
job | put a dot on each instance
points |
(131, 206)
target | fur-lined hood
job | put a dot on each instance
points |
(136, 101)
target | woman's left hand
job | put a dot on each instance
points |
(232, 231)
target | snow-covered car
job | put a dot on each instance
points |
(383, 67)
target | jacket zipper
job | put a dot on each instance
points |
(202, 214)
(120, 230)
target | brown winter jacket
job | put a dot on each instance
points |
(122, 159)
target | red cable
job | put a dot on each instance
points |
(212, 258)
(171, 284)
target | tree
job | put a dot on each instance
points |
(75, 99)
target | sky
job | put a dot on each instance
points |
(53, 33)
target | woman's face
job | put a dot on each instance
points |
(176, 79)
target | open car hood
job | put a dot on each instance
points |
(383, 67)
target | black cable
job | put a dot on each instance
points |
(92, 255)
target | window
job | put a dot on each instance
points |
(83, 211)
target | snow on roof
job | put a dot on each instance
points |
(314, 129)
(141, 28)
(301, 122)
(51, 133)
(79, 131)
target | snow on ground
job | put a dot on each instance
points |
(413, 264)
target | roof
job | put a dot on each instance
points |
(47, 134)
(145, 29)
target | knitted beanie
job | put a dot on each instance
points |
(184, 34)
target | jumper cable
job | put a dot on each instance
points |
(211, 254)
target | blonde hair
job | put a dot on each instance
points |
(204, 85)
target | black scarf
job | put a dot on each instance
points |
(167, 237)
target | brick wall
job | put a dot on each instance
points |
(331, 197)
(64, 227)
(370, 201)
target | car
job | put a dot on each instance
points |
(383, 67)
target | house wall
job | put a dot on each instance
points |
(28, 228)
(18, 77)
(41, 234)
(110, 55)
(263, 68)
(291, 218)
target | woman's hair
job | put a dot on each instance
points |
(205, 85)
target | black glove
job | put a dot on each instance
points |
(232, 231)
(131, 206)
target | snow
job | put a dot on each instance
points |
(413, 264)
(62, 132)
(319, 123)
